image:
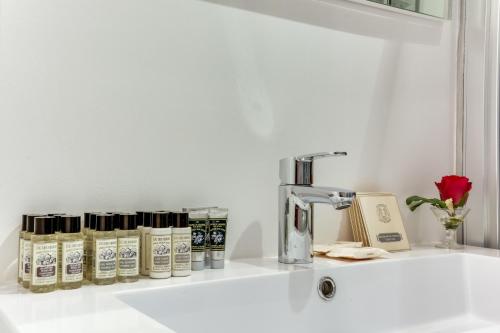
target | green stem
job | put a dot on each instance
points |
(415, 201)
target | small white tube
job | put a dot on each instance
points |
(198, 223)
(217, 219)
(160, 247)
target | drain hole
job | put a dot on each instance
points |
(326, 288)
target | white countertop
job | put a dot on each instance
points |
(96, 309)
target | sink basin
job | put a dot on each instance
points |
(447, 293)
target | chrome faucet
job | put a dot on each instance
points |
(296, 198)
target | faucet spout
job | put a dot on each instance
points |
(337, 197)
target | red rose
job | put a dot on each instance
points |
(454, 187)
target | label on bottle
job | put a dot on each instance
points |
(20, 258)
(143, 251)
(105, 258)
(128, 256)
(217, 235)
(160, 253)
(72, 261)
(44, 264)
(26, 260)
(198, 234)
(181, 245)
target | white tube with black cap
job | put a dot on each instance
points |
(217, 223)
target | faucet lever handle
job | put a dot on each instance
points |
(314, 156)
(298, 170)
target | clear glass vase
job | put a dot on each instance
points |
(450, 224)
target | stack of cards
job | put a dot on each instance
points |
(376, 221)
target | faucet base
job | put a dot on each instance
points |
(294, 261)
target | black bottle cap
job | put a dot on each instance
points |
(57, 220)
(70, 223)
(24, 222)
(140, 218)
(128, 221)
(44, 225)
(30, 222)
(86, 220)
(93, 221)
(171, 217)
(148, 219)
(104, 222)
(160, 219)
(180, 220)
(116, 219)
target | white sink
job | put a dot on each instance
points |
(442, 293)
(421, 291)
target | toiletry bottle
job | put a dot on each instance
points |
(89, 247)
(43, 256)
(70, 246)
(128, 249)
(198, 223)
(146, 243)
(30, 227)
(20, 250)
(104, 250)
(195, 264)
(160, 246)
(181, 245)
(217, 218)
(207, 241)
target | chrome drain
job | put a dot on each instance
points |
(326, 288)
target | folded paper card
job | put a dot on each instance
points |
(376, 221)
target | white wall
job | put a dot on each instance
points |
(121, 105)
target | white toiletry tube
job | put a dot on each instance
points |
(160, 247)
(181, 244)
(217, 224)
(198, 222)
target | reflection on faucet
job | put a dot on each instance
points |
(306, 195)
(296, 199)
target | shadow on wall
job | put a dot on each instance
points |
(381, 109)
(331, 225)
(346, 16)
(345, 229)
(249, 245)
(9, 260)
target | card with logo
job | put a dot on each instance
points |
(377, 222)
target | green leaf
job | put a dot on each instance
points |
(415, 201)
